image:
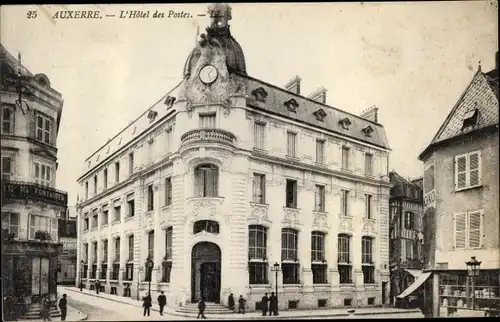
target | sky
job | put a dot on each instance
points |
(412, 60)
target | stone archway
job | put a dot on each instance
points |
(206, 272)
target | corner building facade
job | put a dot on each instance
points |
(227, 175)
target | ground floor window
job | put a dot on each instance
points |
(85, 270)
(345, 272)
(291, 273)
(104, 268)
(166, 271)
(127, 292)
(93, 272)
(368, 274)
(257, 272)
(115, 272)
(129, 272)
(319, 272)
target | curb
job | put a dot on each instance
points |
(232, 317)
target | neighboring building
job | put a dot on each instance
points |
(66, 265)
(405, 232)
(30, 202)
(461, 215)
(226, 176)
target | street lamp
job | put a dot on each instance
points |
(81, 275)
(276, 269)
(149, 266)
(472, 273)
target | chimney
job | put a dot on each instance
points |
(319, 95)
(294, 85)
(371, 114)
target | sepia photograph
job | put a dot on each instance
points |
(242, 161)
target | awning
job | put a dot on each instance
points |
(414, 272)
(413, 287)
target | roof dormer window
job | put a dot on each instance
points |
(152, 115)
(292, 105)
(470, 118)
(345, 123)
(320, 115)
(169, 101)
(368, 130)
(260, 94)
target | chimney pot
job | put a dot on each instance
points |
(319, 95)
(370, 114)
(294, 85)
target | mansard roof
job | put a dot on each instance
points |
(479, 98)
(305, 113)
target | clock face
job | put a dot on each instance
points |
(208, 74)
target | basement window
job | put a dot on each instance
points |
(347, 302)
(470, 118)
(322, 303)
(293, 304)
(371, 301)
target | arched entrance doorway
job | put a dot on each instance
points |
(205, 272)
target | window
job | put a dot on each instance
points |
(7, 167)
(105, 179)
(43, 174)
(10, 223)
(367, 260)
(131, 163)
(319, 198)
(150, 205)
(291, 193)
(318, 265)
(166, 271)
(368, 206)
(468, 229)
(131, 248)
(259, 188)
(118, 215)
(105, 250)
(131, 205)
(168, 191)
(86, 223)
(86, 190)
(289, 244)
(207, 121)
(291, 143)
(368, 164)
(115, 275)
(291, 273)
(259, 130)
(470, 118)
(257, 254)
(117, 172)
(151, 244)
(345, 158)
(129, 274)
(409, 220)
(85, 252)
(43, 128)
(209, 226)
(95, 184)
(206, 180)
(344, 258)
(94, 259)
(104, 219)
(167, 260)
(94, 218)
(468, 170)
(117, 249)
(320, 151)
(7, 119)
(344, 202)
(42, 223)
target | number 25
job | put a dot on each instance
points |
(31, 14)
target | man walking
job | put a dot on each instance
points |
(63, 306)
(45, 312)
(241, 305)
(146, 304)
(201, 308)
(273, 305)
(263, 304)
(162, 301)
(97, 286)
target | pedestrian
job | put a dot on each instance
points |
(241, 305)
(230, 302)
(201, 308)
(45, 310)
(263, 304)
(146, 304)
(273, 305)
(162, 301)
(63, 306)
(97, 286)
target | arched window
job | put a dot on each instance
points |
(257, 254)
(319, 264)
(367, 260)
(289, 256)
(209, 226)
(344, 258)
(206, 180)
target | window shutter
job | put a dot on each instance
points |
(475, 229)
(460, 230)
(460, 171)
(475, 169)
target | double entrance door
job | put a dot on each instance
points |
(210, 282)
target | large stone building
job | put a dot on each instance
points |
(31, 112)
(461, 215)
(227, 175)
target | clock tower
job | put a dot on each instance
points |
(213, 69)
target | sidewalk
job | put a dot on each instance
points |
(73, 315)
(251, 315)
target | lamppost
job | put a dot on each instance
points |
(276, 269)
(472, 273)
(81, 275)
(149, 266)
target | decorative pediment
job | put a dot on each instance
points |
(169, 101)
(320, 115)
(152, 114)
(368, 130)
(345, 123)
(260, 94)
(44, 153)
(292, 105)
